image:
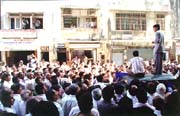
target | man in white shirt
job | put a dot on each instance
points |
(7, 101)
(25, 95)
(137, 65)
(6, 80)
(70, 101)
(17, 97)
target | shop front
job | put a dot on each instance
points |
(14, 50)
(124, 49)
(83, 49)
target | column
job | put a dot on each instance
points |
(167, 27)
(39, 54)
(125, 54)
(3, 56)
(31, 21)
(52, 53)
(70, 54)
(94, 55)
(150, 21)
(104, 16)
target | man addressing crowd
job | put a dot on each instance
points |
(158, 49)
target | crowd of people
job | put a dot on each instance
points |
(86, 89)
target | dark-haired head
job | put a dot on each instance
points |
(52, 95)
(6, 97)
(31, 105)
(5, 76)
(135, 53)
(45, 108)
(16, 88)
(85, 103)
(156, 26)
(142, 95)
(151, 87)
(108, 93)
(119, 89)
(40, 89)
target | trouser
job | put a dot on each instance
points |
(158, 63)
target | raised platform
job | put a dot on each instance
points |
(164, 76)
(151, 77)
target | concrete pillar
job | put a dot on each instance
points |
(104, 16)
(167, 27)
(31, 21)
(94, 55)
(5, 21)
(150, 21)
(125, 54)
(3, 56)
(38, 54)
(178, 17)
(113, 20)
(52, 53)
(57, 20)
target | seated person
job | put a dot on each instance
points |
(137, 65)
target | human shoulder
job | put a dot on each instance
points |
(136, 58)
(158, 33)
(132, 59)
(74, 111)
(95, 112)
(141, 58)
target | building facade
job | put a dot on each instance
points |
(63, 29)
(175, 25)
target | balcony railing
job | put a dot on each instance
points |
(127, 35)
(18, 33)
(80, 34)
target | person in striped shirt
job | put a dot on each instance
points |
(137, 65)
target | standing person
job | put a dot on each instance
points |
(158, 49)
(6, 97)
(137, 65)
(6, 80)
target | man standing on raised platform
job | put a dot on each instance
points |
(158, 49)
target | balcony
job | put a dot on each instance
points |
(19, 39)
(18, 34)
(128, 35)
(80, 34)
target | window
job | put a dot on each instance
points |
(160, 19)
(130, 21)
(66, 11)
(91, 22)
(15, 23)
(70, 21)
(91, 12)
(79, 18)
(38, 23)
(26, 21)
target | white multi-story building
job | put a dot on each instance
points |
(29, 27)
(100, 29)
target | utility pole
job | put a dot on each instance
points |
(0, 14)
(175, 10)
(109, 39)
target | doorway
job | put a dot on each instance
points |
(13, 57)
(61, 55)
(45, 56)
